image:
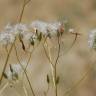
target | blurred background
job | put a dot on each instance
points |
(73, 66)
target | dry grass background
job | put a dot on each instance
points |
(82, 16)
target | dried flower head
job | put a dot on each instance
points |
(6, 38)
(53, 28)
(92, 39)
(13, 72)
(40, 26)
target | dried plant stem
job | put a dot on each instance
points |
(21, 15)
(53, 66)
(4, 87)
(6, 62)
(46, 92)
(79, 81)
(30, 55)
(6, 49)
(48, 56)
(74, 41)
(25, 90)
(24, 72)
(23, 8)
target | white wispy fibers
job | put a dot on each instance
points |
(25, 32)
(92, 39)
(28, 36)
(71, 30)
(46, 28)
(53, 27)
(13, 72)
(9, 28)
(6, 38)
(21, 28)
(16, 28)
(41, 26)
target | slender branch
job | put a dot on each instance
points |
(30, 55)
(78, 82)
(23, 9)
(56, 65)
(21, 15)
(6, 49)
(25, 90)
(53, 67)
(8, 56)
(4, 87)
(24, 72)
(74, 41)
(45, 93)
(50, 60)
(48, 56)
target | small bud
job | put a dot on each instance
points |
(57, 80)
(23, 46)
(5, 76)
(11, 69)
(48, 80)
(32, 41)
(39, 37)
(58, 34)
(20, 38)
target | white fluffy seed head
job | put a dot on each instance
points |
(39, 26)
(26, 31)
(53, 27)
(71, 30)
(13, 72)
(92, 39)
(6, 38)
(46, 28)
(20, 28)
(28, 36)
